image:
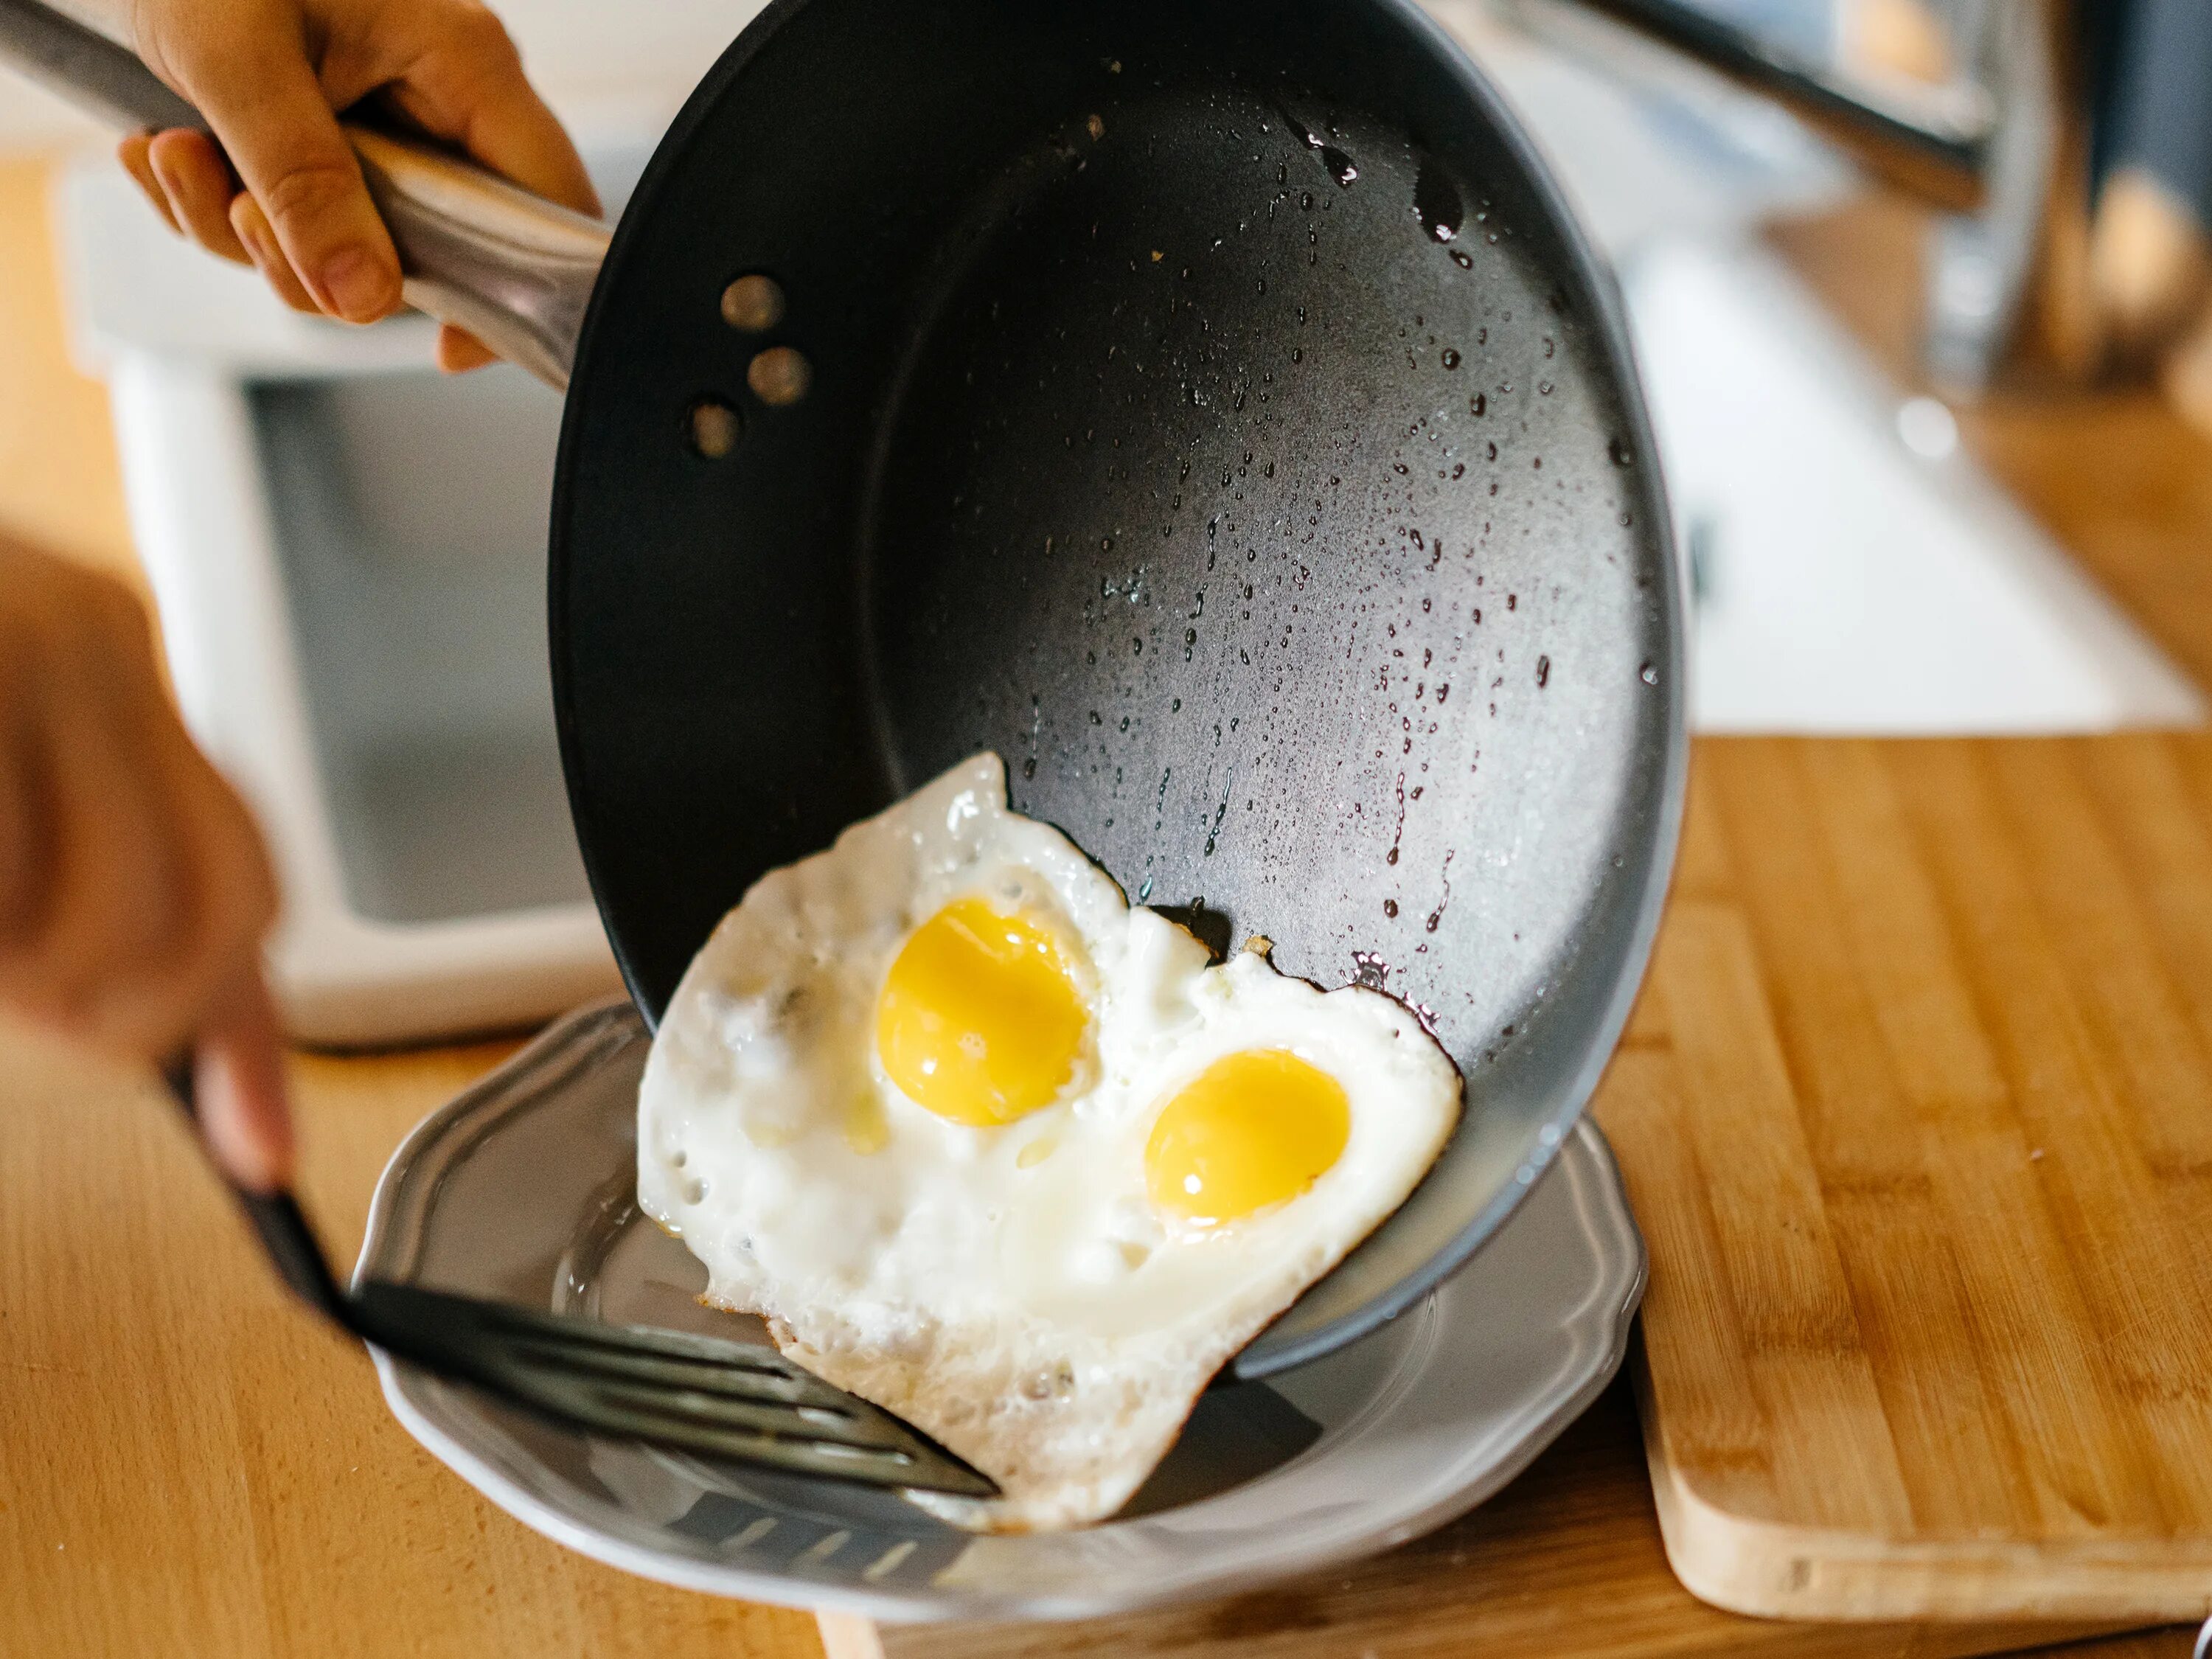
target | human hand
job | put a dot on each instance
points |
(283, 190)
(134, 890)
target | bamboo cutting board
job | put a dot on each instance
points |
(1916, 1115)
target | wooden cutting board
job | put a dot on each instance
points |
(1929, 1299)
(1916, 1115)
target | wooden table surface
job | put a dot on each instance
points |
(188, 1467)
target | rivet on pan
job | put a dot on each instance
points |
(715, 428)
(754, 304)
(780, 376)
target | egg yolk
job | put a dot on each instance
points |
(980, 1020)
(1254, 1128)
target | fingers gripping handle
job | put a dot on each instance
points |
(285, 1235)
(514, 270)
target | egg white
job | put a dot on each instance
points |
(1010, 1291)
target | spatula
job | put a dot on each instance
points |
(734, 1401)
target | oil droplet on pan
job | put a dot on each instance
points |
(1341, 167)
(1437, 203)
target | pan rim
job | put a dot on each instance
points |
(1269, 1354)
(667, 156)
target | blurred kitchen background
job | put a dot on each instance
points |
(1928, 401)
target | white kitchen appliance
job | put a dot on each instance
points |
(347, 551)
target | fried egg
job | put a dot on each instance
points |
(989, 1147)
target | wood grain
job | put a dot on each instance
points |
(1916, 1118)
(188, 1467)
(1927, 1326)
(1916, 1111)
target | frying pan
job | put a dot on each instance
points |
(1213, 409)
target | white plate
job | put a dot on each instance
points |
(523, 1189)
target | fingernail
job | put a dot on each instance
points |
(358, 285)
(256, 240)
(261, 244)
(172, 196)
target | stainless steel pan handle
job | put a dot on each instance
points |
(512, 268)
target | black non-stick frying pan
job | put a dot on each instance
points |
(1210, 407)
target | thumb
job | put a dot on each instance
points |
(243, 1107)
(270, 114)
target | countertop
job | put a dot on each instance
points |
(187, 1466)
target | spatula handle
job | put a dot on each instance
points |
(285, 1236)
(514, 270)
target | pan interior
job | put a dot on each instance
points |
(1215, 420)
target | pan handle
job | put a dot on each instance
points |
(514, 270)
